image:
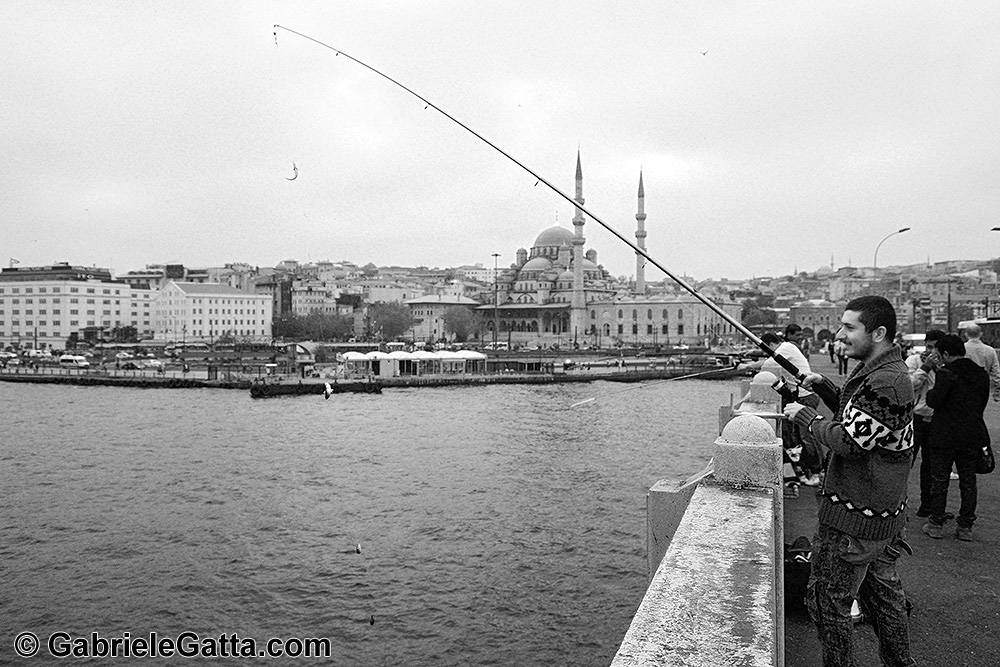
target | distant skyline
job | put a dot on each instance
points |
(771, 137)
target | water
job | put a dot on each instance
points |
(496, 525)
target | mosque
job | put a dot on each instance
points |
(557, 294)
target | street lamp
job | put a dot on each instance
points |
(496, 321)
(875, 261)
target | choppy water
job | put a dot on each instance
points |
(497, 526)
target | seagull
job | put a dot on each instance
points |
(358, 550)
(326, 394)
(704, 53)
(296, 171)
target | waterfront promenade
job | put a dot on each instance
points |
(954, 586)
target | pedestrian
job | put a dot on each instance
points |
(831, 349)
(841, 351)
(922, 367)
(984, 355)
(810, 459)
(863, 496)
(958, 432)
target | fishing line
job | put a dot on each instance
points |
(652, 384)
(766, 349)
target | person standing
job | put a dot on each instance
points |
(863, 496)
(958, 431)
(921, 367)
(984, 355)
(810, 459)
(840, 350)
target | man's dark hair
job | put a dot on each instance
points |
(951, 344)
(792, 329)
(933, 335)
(770, 338)
(875, 312)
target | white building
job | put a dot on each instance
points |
(44, 306)
(206, 311)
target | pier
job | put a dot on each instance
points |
(716, 594)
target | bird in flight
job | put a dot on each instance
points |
(704, 53)
(295, 170)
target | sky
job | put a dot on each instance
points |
(772, 137)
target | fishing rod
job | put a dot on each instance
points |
(764, 347)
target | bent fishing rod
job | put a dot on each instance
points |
(764, 347)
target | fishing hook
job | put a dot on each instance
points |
(764, 347)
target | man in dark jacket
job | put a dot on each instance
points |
(863, 498)
(958, 431)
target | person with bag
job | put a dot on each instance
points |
(862, 499)
(958, 433)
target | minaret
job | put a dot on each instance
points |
(579, 302)
(640, 240)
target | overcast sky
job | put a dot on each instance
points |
(772, 136)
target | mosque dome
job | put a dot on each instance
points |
(554, 236)
(537, 264)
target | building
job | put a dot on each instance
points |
(54, 306)
(555, 294)
(428, 314)
(185, 312)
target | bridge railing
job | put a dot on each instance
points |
(716, 547)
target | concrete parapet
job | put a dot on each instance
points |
(716, 597)
(712, 601)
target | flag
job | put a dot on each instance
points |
(14, 261)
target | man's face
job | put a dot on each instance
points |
(858, 343)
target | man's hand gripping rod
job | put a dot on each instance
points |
(784, 363)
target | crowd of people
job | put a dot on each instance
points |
(895, 411)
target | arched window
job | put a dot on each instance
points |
(680, 313)
(619, 313)
(635, 314)
(649, 314)
(593, 314)
(664, 313)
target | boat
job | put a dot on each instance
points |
(273, 389)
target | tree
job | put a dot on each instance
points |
(462, 322)
(389, 320)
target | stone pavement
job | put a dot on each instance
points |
(954, 586)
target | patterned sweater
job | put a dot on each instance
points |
(871, 445)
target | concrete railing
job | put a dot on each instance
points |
(716, 547)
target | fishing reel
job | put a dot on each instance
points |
(789, 393)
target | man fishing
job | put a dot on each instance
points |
(863, 497)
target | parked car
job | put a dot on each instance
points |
(73, 361)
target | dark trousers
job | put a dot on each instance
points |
(845, 568)
(963, 457)
(921, 436)
(841, 365)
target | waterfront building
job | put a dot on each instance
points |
(428, 314)
(58, 305)
(819, 318)
(185, 312)
(155, 276)
(556, 294)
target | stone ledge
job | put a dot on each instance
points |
(712, 600)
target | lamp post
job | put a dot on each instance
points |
(875, 260)
(496, 320)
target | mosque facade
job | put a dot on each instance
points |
(556, 294)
